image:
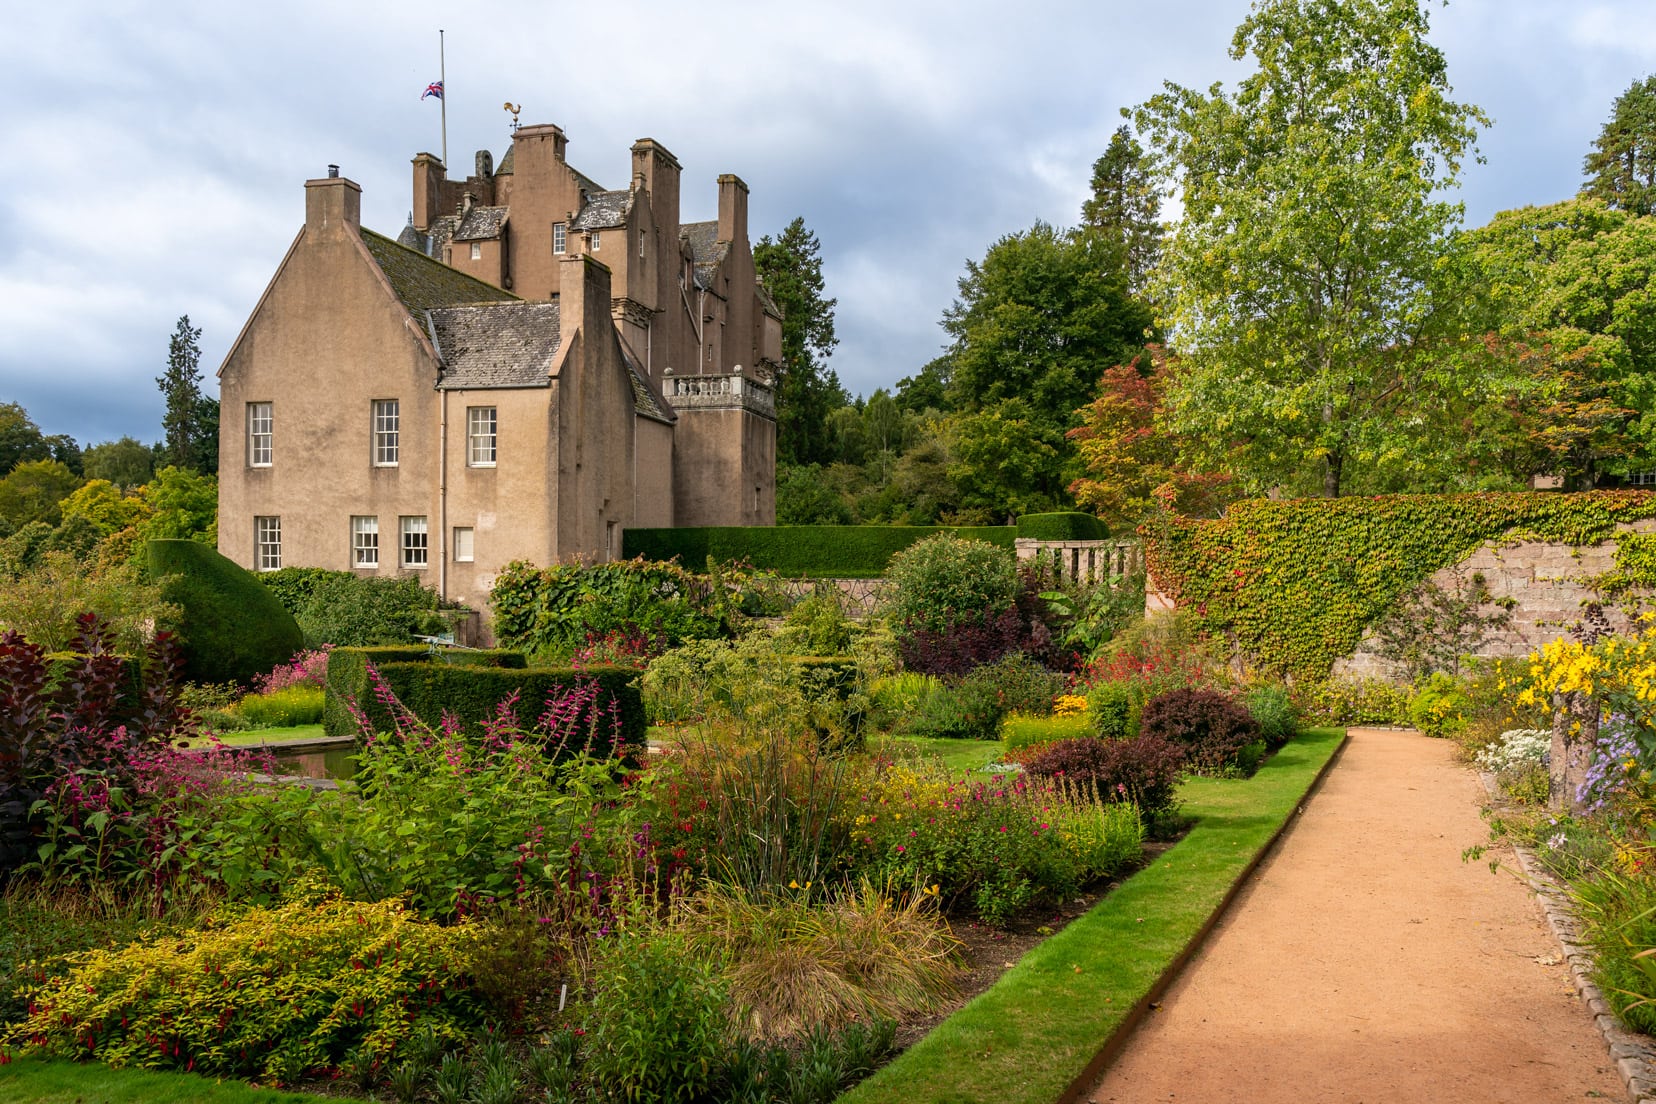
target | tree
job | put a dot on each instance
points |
(190, 425)
(34, 491)
(1125, 205)
(927, 389)
(101, 502)
(1567, 293)
(1621, 169)
(127, 463)
(183, 505)
(1303, 282)
(1036, 321)
(807, 390)
(20, 438)
(1129, 460)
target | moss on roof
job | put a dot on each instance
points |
(422, 283)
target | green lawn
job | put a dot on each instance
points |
(266, 736)
(1039, 1029)
(36, 1081)
(965, 755)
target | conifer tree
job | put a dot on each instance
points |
(1621, 169)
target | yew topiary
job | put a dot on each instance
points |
(230, 627)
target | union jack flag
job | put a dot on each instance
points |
(435, 88)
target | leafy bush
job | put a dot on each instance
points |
(966, 645)
(295, 705)
(821, 551)
(970, 710)
(1432, 628)
(1274, 712)
(1340, 702)
(305, 669)
(350, 691)
(359, 611)
(230, 627)
(1145, 770)
(269, 993)
(657, 1025)
(818, 626)
(555, 610)
(896, 697)
(42, 601)
(1023, 684)
(1113, 710)
(1517, 748)
(1019, 731)
(1214, 729)
(991, 847)
(943, 581)
(1439, 707)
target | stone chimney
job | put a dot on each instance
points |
(333, 206)
(429, 178)
(733, 201)
(543, 132)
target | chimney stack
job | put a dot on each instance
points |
(333, 205)
(733, 200)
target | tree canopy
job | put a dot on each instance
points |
(790, 265)
(190, 424)
(1303, 282)
(1125, 205)
(1621, 168)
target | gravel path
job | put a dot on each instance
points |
(1367, 962)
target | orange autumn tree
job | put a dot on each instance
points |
(1131, 461)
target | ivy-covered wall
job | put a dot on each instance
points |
(1295, 584)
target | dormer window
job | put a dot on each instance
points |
(559, 234)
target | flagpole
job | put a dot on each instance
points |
(442, 80)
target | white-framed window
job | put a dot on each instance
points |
(365, 542)
(462, 544)
(387, 430)
(416, 549)
(259, 436)
(595, 242)
(267, 543)
(477, 251)
(560, 233)
(1643, 479)
(480, 436)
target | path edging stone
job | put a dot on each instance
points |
(1634, 1054)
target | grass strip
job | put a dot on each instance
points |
(255, 736)
(39, 1081)
(961, 755)
(1055, 1018)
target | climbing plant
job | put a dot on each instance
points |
(1295, 584)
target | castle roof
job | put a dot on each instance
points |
(495, 344)
(706, 248)
(421, 283)
(481, 223)
(603, 210)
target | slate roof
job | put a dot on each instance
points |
(481, 223)
(422, 283)
(495, 345)
(411, 238)
(707, 250)
(603, 210)
(647, 399)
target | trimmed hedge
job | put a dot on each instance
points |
(1068, 525)
(472, 695)
(347, 678)
(1296, 584)
(824, 551)
(230, 626)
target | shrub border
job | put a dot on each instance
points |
(998, 1021)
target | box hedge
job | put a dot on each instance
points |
(1068, 525)
(472, 695)
(230, 626)
(347, 678)
(824, 551)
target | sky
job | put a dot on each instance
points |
(156, 153)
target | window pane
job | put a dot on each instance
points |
(462, 544)
(267, 543)
(595, 241)
(480, 436)
(365, 541)
(259, 437)
(387, 429)
(414, 546)
(557, 237)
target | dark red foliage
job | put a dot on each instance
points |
(1213, 728)
(47, 733)
(963, 647)
(1145, 770)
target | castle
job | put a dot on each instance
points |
(534, 365)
